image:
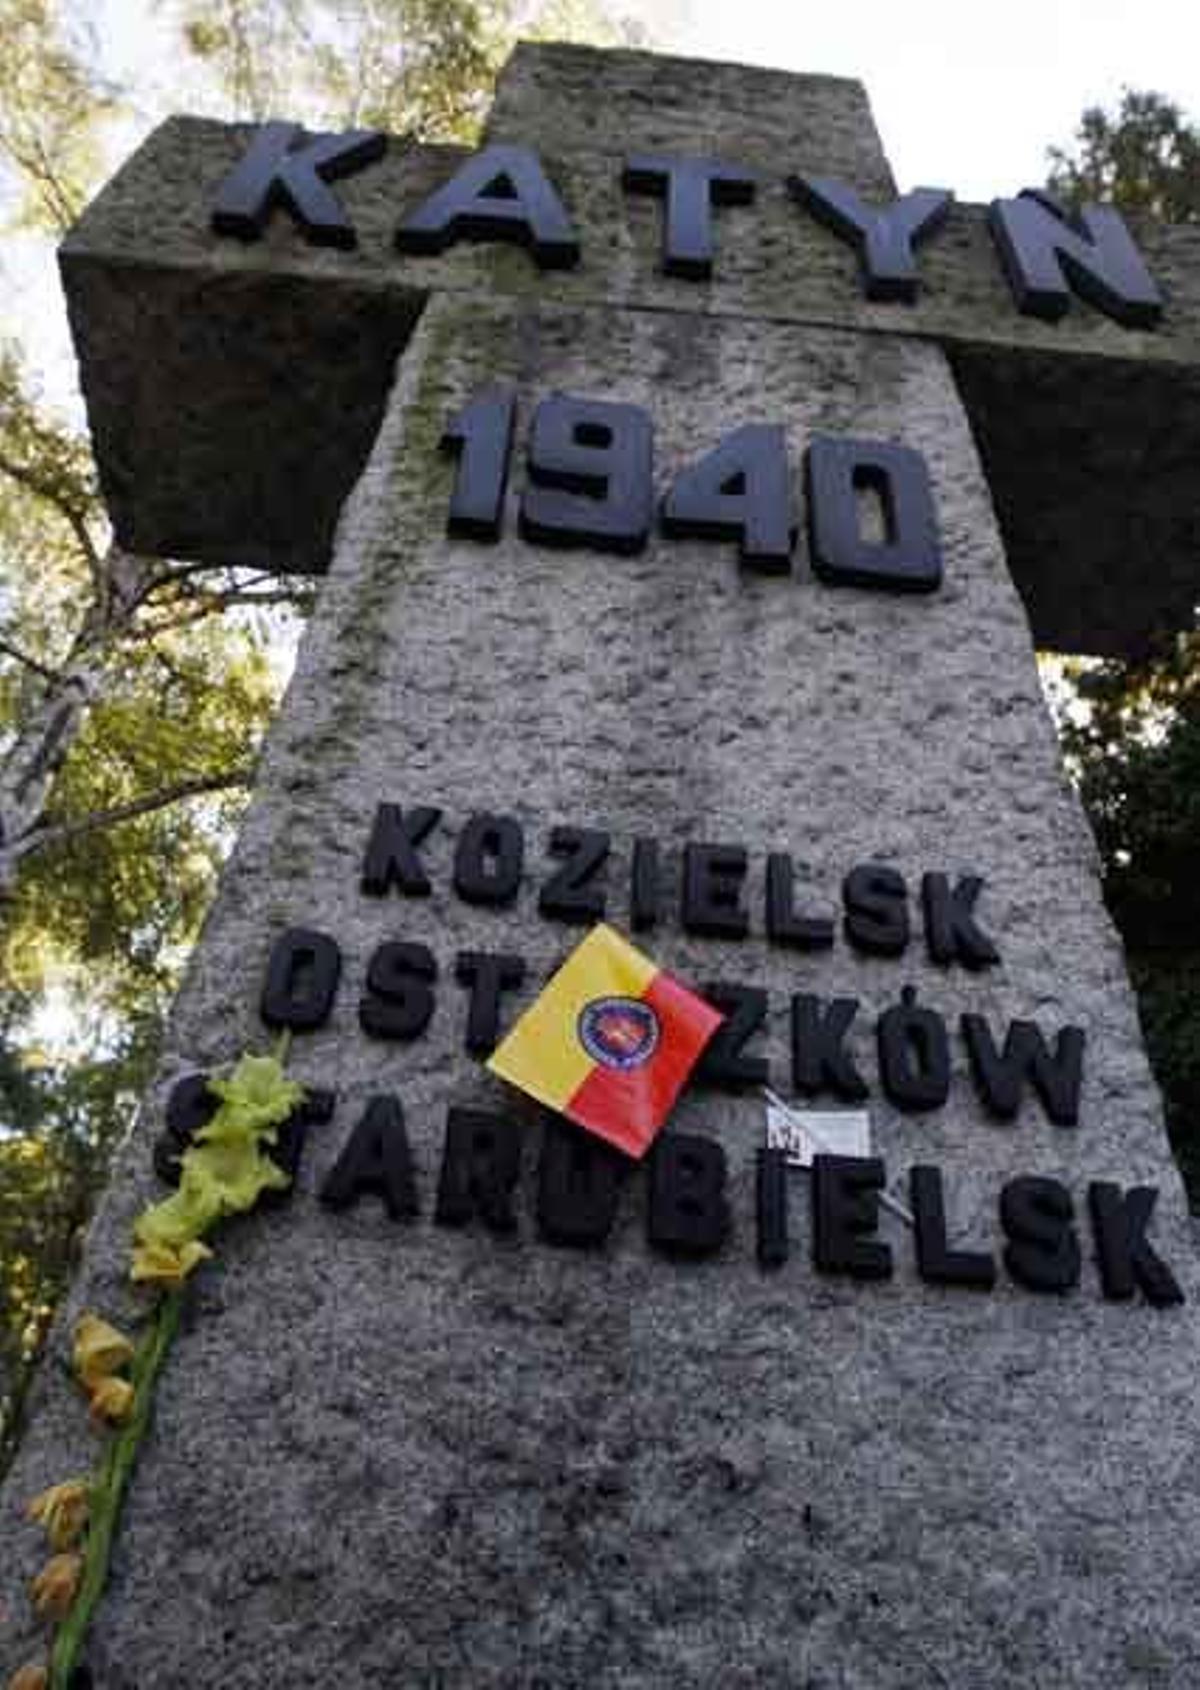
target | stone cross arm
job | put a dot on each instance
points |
(234, 386)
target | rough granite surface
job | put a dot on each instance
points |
(393, 1454)
(218, 321)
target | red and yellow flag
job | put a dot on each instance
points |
(609, 1042)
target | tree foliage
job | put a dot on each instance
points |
(63, 1119)
(1134, 745)
(124, 687)
(1134, 740)
(419, 68)
(133, 693)
(52, 112)
(423, 67)
(1145, 157)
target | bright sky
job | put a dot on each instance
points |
(966, 97)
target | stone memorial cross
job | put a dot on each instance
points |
(635, 1425)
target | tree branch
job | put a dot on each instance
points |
(199, 610)
(180, 576)
(63, 832)
(54, 194)
(42, 669)
(43, 488)
(175, 574)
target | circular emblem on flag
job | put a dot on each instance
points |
(618, 1032)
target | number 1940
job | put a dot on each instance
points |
(590, 482)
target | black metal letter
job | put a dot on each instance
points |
(740, 491)
(784, 926)
(480, 1165)
(399, 998)
(909, 557)
(579, 1182)
(591, 473)
(820, 1060)
(1126, 1258)
(276, 173)
(845, 1211)
(643, 885)
(570, 895)
(951, 932)
(376, 1158)
(192, 1105)
(1001, 1076)
(1042, 1252)
(486, 974)
(1047, 250)
(488, 860)
(691, 186)
(501, 194)
(302, 980)
(481, 437)
(876, 904)
(688, 1212)
(914, 1055)
(724, 1062)
(712, 891)
(391, 858)
(936, 1262)
(771, 1194)
(883, 236)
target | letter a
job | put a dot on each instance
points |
(501, 194)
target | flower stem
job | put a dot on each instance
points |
(108, 1490)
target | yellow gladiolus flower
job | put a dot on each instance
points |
(112, 1402)
(256, 1098)
(29, 1678)
(54, 1588)
(63, 1510)
(166, 1264)
(100, 1350)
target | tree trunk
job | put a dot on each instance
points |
(51, 728)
